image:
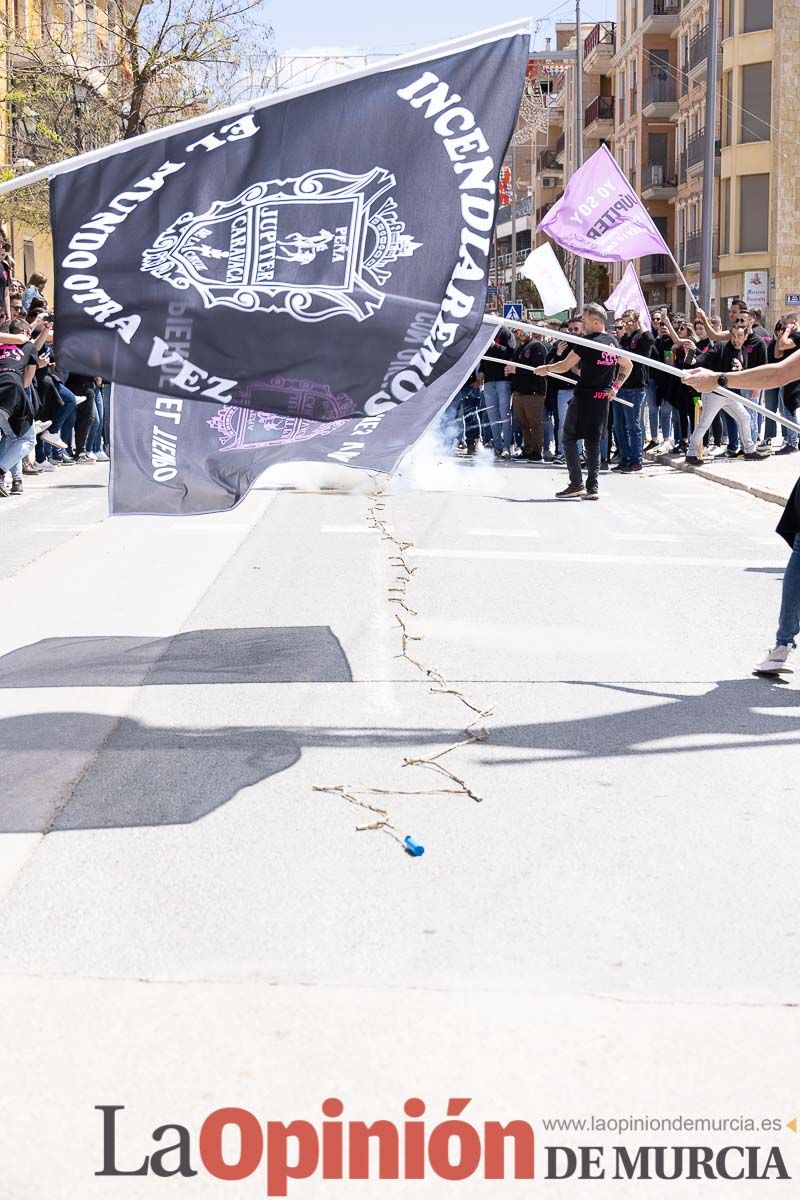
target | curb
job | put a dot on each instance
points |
(708, 473)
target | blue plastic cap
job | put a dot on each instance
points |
(413, 847)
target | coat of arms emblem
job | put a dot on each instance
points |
(314, 247)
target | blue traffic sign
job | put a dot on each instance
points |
(512, 312)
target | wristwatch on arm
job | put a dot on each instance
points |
(722, 381)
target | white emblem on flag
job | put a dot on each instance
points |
(315, 247)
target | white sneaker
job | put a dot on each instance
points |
(53, 439)
(40, 426)
(776, 662)
(92, 457)
(47, 465)
(101, 456)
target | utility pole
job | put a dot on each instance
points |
(709, 157)
(514, 219)
(579, 283)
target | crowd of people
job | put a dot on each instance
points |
(48, 420)
(518, 402)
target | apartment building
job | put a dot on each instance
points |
(662, 70)
(557, 159)
(648, 95)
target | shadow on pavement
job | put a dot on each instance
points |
(146, 775)
(282, 654)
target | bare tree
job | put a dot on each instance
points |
(134, 66)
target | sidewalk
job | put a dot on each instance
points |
(772, 480)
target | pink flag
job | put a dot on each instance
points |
(628, 294)
(601, 217)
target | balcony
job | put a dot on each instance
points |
(660, 16)
(695, 154)
(659, 95)
(657, 182)
(546, 161)
(657, 268)
(698, 54)
(523, 208)
(599, 117)
(690, 258)
(599, 47)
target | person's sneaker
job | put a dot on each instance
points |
(677, 450)
(53, 439)
(591, 493)
(786, 450)
(651, 445)
(67, 460)
(776, 662)
(29, 468)
(47, 465)
(40, 426)
(693, 460)
(571, 492)
(83, 457)
(758, 455)
(16, 487)
(101, 455)
(3, 491)
(90, 454)
(604, 464)
(535, 457)
(636, 468)
(548, 456)
(734, 453)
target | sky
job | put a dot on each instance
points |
(317, 27)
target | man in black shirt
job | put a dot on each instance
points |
(726, 358)
(528, 396)
(628, 421)
(601, 375)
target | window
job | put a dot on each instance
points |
(757, 15)
(725, 217)
(753, 214)
(731, 23)
(726, 109)
(756, 102)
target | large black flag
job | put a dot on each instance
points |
(194, 459)
(341, 235)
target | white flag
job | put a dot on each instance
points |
(628, 294)
(543, 268)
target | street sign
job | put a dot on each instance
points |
(512, 312)
(793, 297)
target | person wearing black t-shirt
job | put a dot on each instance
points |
(601, 375)
(785, 343)
(727, 358)
(628, 421)
(528, 396)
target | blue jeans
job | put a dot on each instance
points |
(497, 395)
(733, 432)
(13, 450)
(628, 425)
(95, 442)
(790, 435)
(789, 620)
(564, 397)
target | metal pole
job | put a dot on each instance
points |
(709, 156)
(513, 219)
(579, 282)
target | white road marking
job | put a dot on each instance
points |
(504, 533)
(348, 529)
(195, 526)
(608, 559)
(64, 528)
(646, 537)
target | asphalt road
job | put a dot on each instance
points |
(615, 923)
